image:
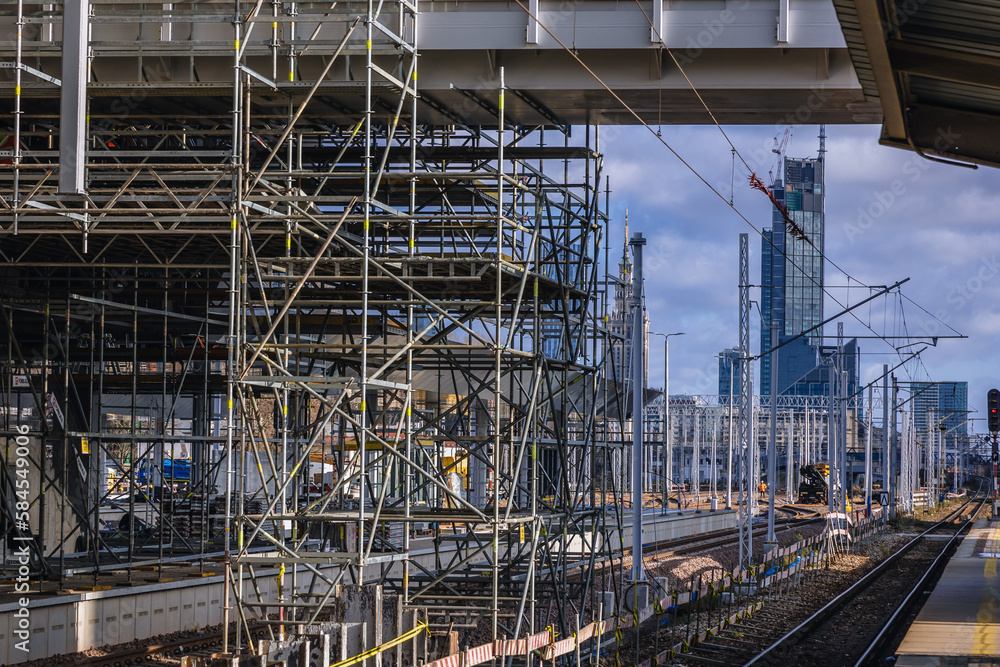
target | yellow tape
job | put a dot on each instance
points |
(368, 44)
(236, 45)
(364, 406)
(501, 100)
(406, 636)
(17, 90)
(230, 402)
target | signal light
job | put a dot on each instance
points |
(993, 410)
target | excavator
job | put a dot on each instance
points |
(813, 485)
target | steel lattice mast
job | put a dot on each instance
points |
(744, 411)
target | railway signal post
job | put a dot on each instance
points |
(993, 422)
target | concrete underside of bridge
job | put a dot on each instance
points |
(752, 61)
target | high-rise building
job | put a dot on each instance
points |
(791, 267)
(936, 403)
(618, 363)
(729, 371)
(804, 368)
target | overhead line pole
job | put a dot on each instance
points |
(771, 541)
(745, 513)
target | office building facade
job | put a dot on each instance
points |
(791, 267)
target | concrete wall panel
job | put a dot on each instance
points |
(143, 615)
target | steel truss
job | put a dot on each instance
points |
(276, 264)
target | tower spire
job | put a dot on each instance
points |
(625, 266)
(822, 141)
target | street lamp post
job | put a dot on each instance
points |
(729, 453)
(939, 466)
(667, 460)
(729, 460)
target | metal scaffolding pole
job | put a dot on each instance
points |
(372, 329)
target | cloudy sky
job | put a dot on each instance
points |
(890, 215)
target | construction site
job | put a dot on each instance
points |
(313, 329)
(295, 349)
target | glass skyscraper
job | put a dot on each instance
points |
(944, 402)
(791, 267)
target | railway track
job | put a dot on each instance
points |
(718, 538)
(207, 644)
(850, 628)
(202, 645)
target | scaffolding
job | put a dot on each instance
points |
(367, 335)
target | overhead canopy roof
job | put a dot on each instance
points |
(934, 66)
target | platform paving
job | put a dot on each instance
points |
(959, 624)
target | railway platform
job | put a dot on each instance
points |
(960, 622)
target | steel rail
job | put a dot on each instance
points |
(855, 589)
(896, 621)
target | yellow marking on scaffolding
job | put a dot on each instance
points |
(366, 225)
(501, 100)
(368, 44)
(87, 117)
(284, 410)
(408, 411)
(274, 25)
(412, 242)
(291, 75)
(232, 223)
(230, 403)
(288, 241)
(536, 288)
(406, 636)
(236, 45)
(17, 91)
(364, 406)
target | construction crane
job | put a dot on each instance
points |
(780, 144)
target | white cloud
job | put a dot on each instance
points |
(890, 214)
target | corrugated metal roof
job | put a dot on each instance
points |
(931, 64)
(851, 27)
(955, 95)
